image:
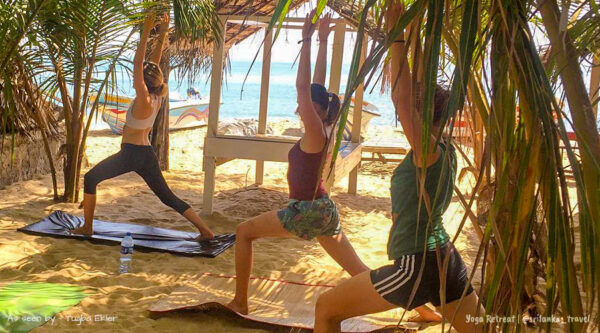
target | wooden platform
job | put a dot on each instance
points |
(380, 149)
(257, 147)
(262, 147)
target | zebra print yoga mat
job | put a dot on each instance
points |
(60, 224)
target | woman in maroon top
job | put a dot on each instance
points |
(310, 213)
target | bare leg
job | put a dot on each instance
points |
(89, 206)
(340, 249)
(426, 314)
(205, 232)
(457, 315)
(264, 225)
(353, 297)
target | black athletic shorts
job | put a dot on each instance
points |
(395, 282)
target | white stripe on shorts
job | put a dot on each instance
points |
(400, 269)
(401, 280)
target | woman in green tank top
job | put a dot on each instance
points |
(421, 191)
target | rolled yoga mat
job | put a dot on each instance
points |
(273, 302)
(59, 224)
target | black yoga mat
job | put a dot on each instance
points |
(59, 224)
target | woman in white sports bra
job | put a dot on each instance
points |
(136, 153)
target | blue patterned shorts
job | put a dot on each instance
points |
(309, 219)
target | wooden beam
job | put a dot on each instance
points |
(215, 84)
(249, 20)
(264, 99)
(358, 99)
(248, 148)
(357, 120)
(210, 166)
(209, 162)
(337, 56)
(289, 26)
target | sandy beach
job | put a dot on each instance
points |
(365, 219)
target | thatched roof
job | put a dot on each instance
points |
(196, 56)
(238, 32)
(199, 53)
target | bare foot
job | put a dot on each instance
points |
(85, 230)
(238, 307)
(426, 317)
(206, 235)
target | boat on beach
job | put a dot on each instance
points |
(183, 113)
(193, 112)
(369, 112)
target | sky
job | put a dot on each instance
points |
(286, 47)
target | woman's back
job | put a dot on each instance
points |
(303, 175)
(411, 218)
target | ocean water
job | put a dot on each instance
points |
(241, 100)
(241, 95)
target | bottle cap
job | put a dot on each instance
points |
(128, 234)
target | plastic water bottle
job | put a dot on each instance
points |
(126, 254)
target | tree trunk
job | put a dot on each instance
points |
(160, 130)
(579, 102)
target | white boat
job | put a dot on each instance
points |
(370, 111)
(183, 113)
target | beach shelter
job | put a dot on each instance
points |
(219, 148)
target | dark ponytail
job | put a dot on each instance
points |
(329, 102)
(153, 77)
(333, 109)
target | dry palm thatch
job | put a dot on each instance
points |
(24, 111)
(194, 56)
(20, 112)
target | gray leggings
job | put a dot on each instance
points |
(142, 160)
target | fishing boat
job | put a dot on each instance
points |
(370, 111)
(183, 113)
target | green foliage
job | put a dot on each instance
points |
(26, 305)
(68, 51)
(531, 227)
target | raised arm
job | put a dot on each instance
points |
(321, 64)
(138, 59)
(163, 30)
(314, 135)
(410, 120)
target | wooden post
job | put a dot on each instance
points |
(357, 121)
(595, 84)
(264, 99)
(213, 118)
(337, 55)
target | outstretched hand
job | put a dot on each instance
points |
(324, 27)
(149, 20)
(309, 27)
(164, 23)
